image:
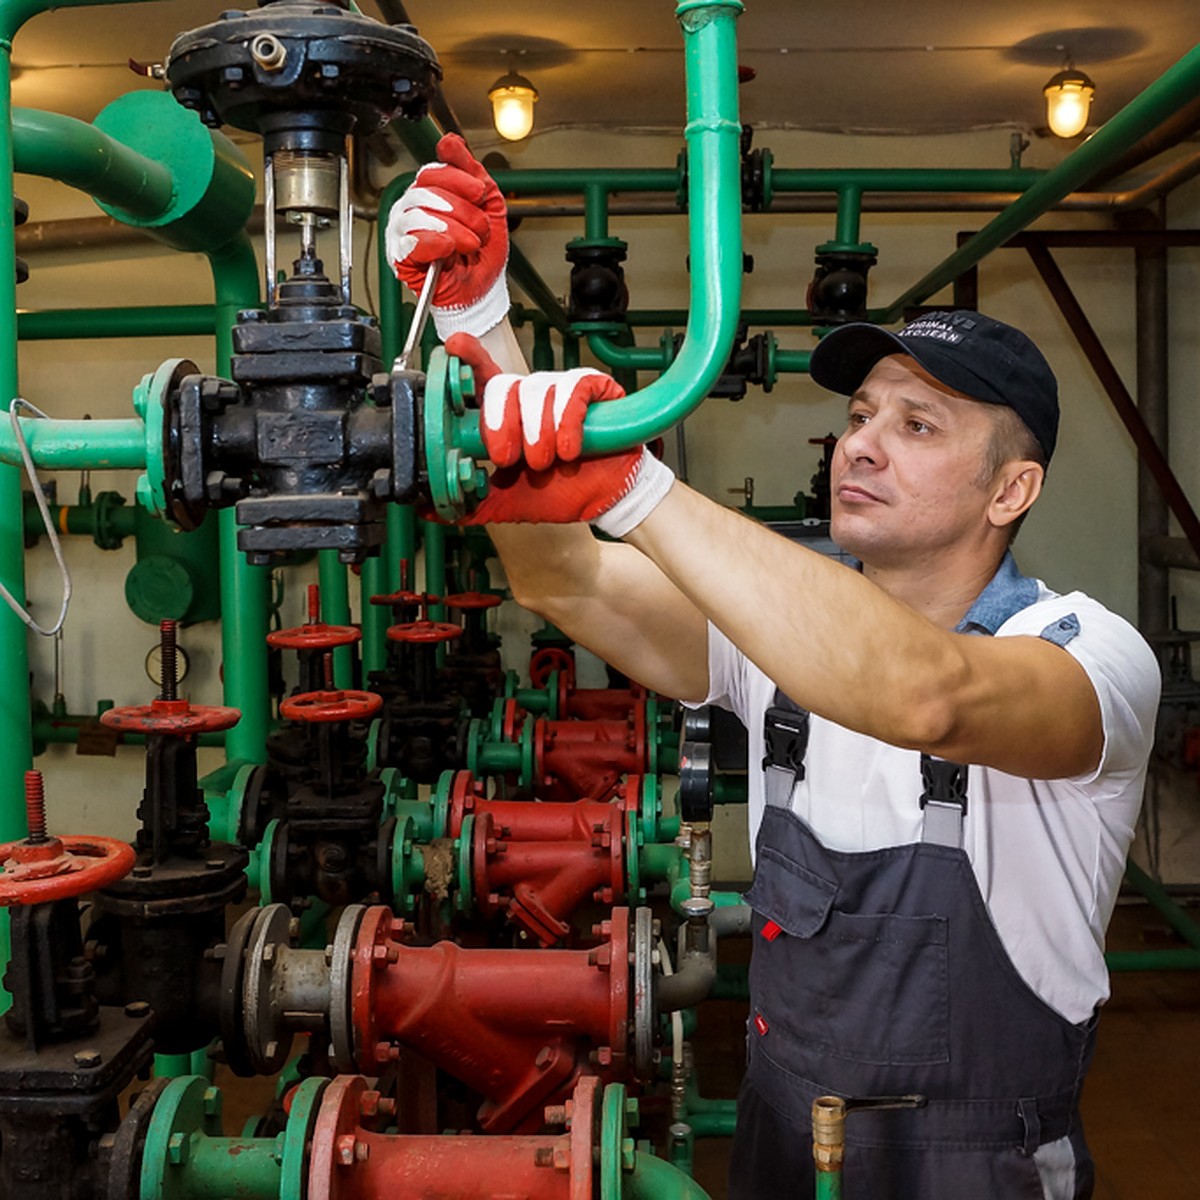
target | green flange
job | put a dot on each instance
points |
(635, 893)
(455, 481)
(233, 805)
(617, 1150)
(266, 851)
(149, 402)
(408, 867)
(464, 900)
(306, 1101)
(373, 744)
(651, 807)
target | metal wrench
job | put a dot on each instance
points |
(420, 316)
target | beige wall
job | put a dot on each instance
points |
(1081, 536)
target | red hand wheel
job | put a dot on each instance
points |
(473, 600)
(403, 597)
(422, 632)
(172, 717)
(58, 868)
(314, 637)
(548, 659)
(320, 707)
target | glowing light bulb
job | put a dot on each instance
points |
(1068, 102)
(513, 98)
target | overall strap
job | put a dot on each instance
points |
(785, 743)
(943, 800)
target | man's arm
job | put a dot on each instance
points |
(840, 646)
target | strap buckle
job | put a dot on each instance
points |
(944, 782)
(785, 736)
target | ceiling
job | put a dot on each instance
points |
(920, 67)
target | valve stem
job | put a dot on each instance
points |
(327, 664)
(170, 667)
(314, 604)
(35, 806)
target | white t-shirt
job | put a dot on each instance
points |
(1048, 855)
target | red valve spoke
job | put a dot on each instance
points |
(338, 705)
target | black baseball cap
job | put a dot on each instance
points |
(979, 356)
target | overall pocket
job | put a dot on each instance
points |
(868, 987)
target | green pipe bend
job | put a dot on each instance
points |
(656, 1179)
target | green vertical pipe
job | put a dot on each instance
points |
(543, 349)
(16, 751)
(402, 544)
(1175, 87)
(373, 582)
(335, 610)
(849, 212)
(595, 212)
(656, 1179)
(245, 590)
(434, 536)
(829, 1185)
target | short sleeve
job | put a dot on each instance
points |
(1120, 665)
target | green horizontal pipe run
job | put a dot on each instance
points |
(1175, 87)
(713, 1124)
(169, 320)
(656, 1179)
(56, 445)
(64, 730)
(902, 179)
(500, 756)
(792, 362)
(1166, 907)
(1153, 960)
(121, 520)
(712, 134)
(245, 1168)
(79, 154)
(730, 789)
(557, 181)
(627, 358)
(759, 318)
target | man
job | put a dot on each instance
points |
(953, 756)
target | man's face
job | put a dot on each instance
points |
(905, 474)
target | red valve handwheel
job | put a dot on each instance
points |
(314, 637)
(403, 597)
(337, 705)
(420, 632)
(548, 659)
(473, 600)
(59, 868)
(173, 717)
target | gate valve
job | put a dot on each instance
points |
(406, 604)
(42, 868)
(326, 707)
(547, 659)
(171, 718)
(588, 758)
(422, 633)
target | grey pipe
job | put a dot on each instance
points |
(731, 920)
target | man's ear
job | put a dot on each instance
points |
(1018, 484)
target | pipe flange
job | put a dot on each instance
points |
(634, 893)
(125, 1157)
(374, 951)
(620, 971)
(188, 1105)
(616, 1146)
(341, 1027)
(297, 1137)
(233, 988)
(696, 786)
(268, 1039)
(329, 1176)
(643, 993)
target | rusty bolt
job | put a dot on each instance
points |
(604, 1056)
(397, 929)
(379, 957)
(88, 1059)
(562, 1154)
(362, 1151)
(344, 1150)
(385, 1053)
(387, 1106)
(137, 1008)
(555, 1114)
(268, 952)
(543, 1156)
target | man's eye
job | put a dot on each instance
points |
(919, 427)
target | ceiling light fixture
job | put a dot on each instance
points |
(513, 98)
(1068, 102)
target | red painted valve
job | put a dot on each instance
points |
(473, 601)
(424, 632)
(42, 868)
(318, 708)
(548, 659)
(350, 1161)
(315, 635)
(175, 718)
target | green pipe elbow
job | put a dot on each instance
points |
(656, 1179)
(213, 182)
(85, 157)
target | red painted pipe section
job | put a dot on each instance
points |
(350, 1161)
(588, 758)
(538, 885)
(603, 704)
(517, 1026)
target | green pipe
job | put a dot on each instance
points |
(1158, 896)
(598, 182)
(656, 1179)
(373, 582)
(658, 861)
(16, 750)
(829, 1185)
(79, 154)
(628, 358)
(245, 590)
(434, 536)
(420, 138)
(335, 610)
(170, 320)
(730, 789)
(714, 1124)
(712, 135)
(1174, 88)
(1153, 960)
(402, 538)
(543, 350)
(792, 362)
(902, 179)
(63, 729)
(248, 1168)
(107, 519)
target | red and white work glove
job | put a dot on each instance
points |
(532, 428)
(453, 213)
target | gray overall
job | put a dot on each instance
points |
(880, 973)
